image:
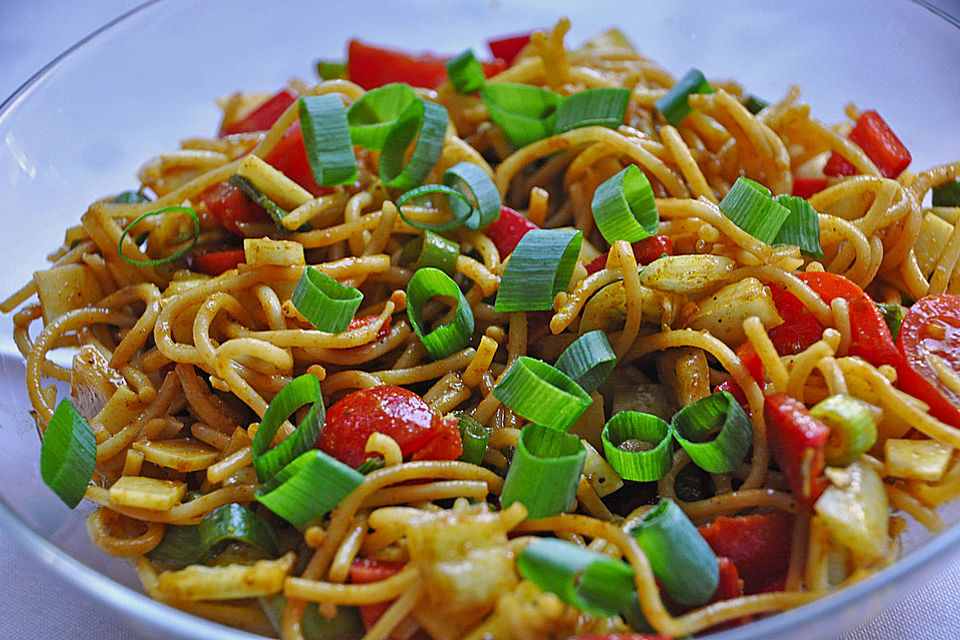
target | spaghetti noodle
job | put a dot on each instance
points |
(182, 357)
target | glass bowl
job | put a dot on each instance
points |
(82, 127)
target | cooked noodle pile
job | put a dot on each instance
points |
(174, 368)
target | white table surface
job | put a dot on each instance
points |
(33, 605)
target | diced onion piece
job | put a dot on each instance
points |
(688, 273)
(857, 514)
(272, 183)
(918, 459)
(65, 288)
(267, 251)
(147, 493)
(545, 472)
(232, 582)
(852, 428)
(723, 313)
(599, 473)
(182, 454)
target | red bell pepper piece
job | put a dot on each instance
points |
(506, 231)
(216, 262)
(870, 335)
(507, 48)
(365, 570)
(371, 67)
(230, 206)
(356, 323)
(289, 156)
(759, 546)
(645, 251)
(878, 141)
(263, 116)
(797, 440)
(805, 187)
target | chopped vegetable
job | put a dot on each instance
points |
(797, 442)
(878, 141)
(852, 428)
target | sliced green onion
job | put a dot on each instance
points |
(327, 304)
(233, 522)
(754, 104)
(331, 70)
(448, 338)
(673, 105)
(375, 113)
(947, 194)
(802, 226)
(539, 268)
(524, 113)
(590, 581)
(460, 214)
(625, 208)
(465, 72)
(639, 446)
(853, 429)
(275, 211)
(371, 464)
(303, 390)
(679, 556)
(604, 107)
(696, 422)
(68, 454)
(749, 206)
(485, 205)
(433, 250)
(129, 197)
(346, 624)
(542, 394)
(545, 472)
(309, 487)
(180, 546)
(474, 437)
(588, 360)
(893, 316)
(478, 210)
(425, 122)
(326, 137)
(170, 258)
